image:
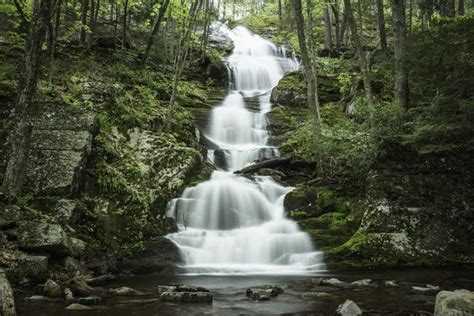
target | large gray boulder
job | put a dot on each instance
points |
(7, 301)
(34, 267)
(61, 143)
(349, 308)
(459, 302)
(43, 238)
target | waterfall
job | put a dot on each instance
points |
(231, 224)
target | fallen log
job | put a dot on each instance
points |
(267, 163)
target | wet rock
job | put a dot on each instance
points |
(459, 302)
(332, 282)
(190, 288)
(41, 298)
(166, 288)
(100, 279)
(89, 300)
(7, 300)
(79, 287)
(51, 289)
(263, 294)
(187, 297)
(349, 308)
(314, 295)
(363, 283)
(43, 237)
(78, 307)
(69, 296)
(391, 283)
(428, 290)
(126, 291)
(325, 288)
(9, 216)
(35, 267)
(160, 254)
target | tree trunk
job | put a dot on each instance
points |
(156, 29)
(327, 28)
(400, 53)
(280, 16)
(461, 7)
(90, 37)
(84, 9)
(363, 64)
(124, 24)
(345, 20)
(16, 168)
(381, 25)
(337, 29)
(313, 101)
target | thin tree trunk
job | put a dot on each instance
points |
(461, 7)
(90, 37)
(361, 56)
(156, 29)
(24, 20)
(337, 30)
(450, 8)
(124, 24)
(381, 25)
(343, 26)
(313, 101)
(400, 53)
(327, 28)
(280, 16)
(84, 9)
(17, 164)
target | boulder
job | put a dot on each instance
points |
(459, 302)
(7, 300)
(126, 291)
(9, 216)
(349, 308)
(35, 267)
(363, 283)
(51, 289)
(65, 212)
(78, 307)
(43, 237)
(428, 290)
(332, 282)
(62, 140)
(160, 254)
(391, 283)
(187, 297)
(263, 294)
(77, 247)
(74, 266)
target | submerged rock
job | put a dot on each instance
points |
(263, 294)
(187, 297)
(314, 295)
(126, 291)
(78, 307)
(333, 282)
(52, 289)
(349, 308)
(391, 283)
(363, 283)
(7, 300)
(428, 290)
(459, 302)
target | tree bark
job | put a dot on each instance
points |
(280, 16)
(327, 28)
(156, 29)
(450, 8)
(124, 24)
(84, 9)
(461, 7)
(400, 53)
(361, 56)
(17, 164)
(381, 25)
(313, 101)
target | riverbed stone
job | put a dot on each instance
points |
(391, 283)
(314, 295)
(425, 290)
(458, 302)
(7, 299)
(187, 297)
(349, 308)
(43, 237)
(78, 307)
(126, 291)
(363, 283)
(52, 289)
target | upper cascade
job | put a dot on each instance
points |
(232, 224)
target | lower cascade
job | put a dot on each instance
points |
(231, 224)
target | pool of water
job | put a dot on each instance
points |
(230, 299)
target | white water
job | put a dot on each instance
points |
(231, 224)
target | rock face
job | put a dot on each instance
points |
(61, 143)
(42, 237)
(7, 301)
(459, 302)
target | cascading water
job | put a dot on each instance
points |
(231, 224)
